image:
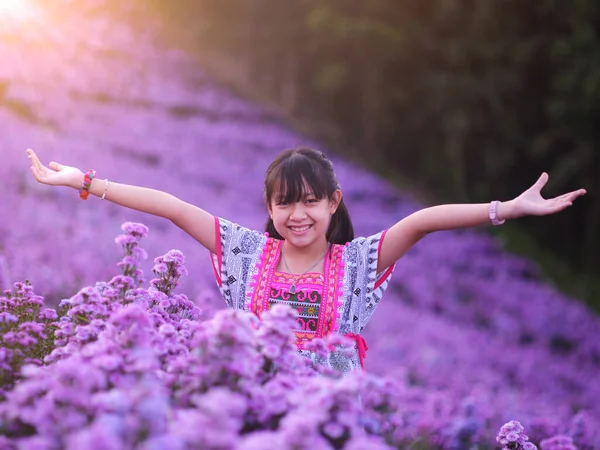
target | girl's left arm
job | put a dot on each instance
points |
(406, 233)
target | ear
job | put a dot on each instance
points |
(336, 199)
(270, 210)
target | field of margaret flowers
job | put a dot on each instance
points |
(469, 349)
(130, 364)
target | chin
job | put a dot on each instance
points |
(298, 242)
(303, 241)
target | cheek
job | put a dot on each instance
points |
(278, 218)
(323, 217)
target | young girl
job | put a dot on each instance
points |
(308, 257)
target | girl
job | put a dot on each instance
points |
(308, 257)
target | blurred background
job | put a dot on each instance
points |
(452, 100)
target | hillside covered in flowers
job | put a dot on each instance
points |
(466, 339)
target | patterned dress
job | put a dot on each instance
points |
(341, 300)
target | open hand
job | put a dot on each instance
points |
(531, 202)
(55, 174)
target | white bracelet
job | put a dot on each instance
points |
(105, 188)
(494, 213)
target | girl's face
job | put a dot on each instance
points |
(305, 222)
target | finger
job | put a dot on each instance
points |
(561, 197)
(557, 208)
(40, 166)
(36, 173)
(35, 160)
(56, 166)
(31, 155)
(570, 196)
(541, 182)
(575, 194)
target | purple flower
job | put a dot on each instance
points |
(48, 314)
(334, 430)
(6, 317)
(128, 260)
(512, 436)
(160, 268)
(125, 239)
(318, 346)
(139, 253)
(135, 229)
(558, 442)
(174, 256)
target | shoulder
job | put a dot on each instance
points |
(363, 244)
(241, 239)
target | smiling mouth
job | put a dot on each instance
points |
(300, 229)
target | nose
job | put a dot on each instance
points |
(298, 211)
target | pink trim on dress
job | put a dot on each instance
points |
(325, 297)
(390, 269)
(261, 281)
(219, 253)
(361, 344)
(338, 293)
(273, 260)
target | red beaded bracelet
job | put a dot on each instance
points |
(88, 176)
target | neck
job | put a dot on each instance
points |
(302, 257)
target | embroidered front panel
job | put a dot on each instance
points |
(317, 318)
(307, 301)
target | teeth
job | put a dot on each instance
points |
(299, 229)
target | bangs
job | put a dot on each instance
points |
(295, 178)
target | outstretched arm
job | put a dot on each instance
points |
(193, 220)
(406, 233)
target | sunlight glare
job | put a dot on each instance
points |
(14, 8)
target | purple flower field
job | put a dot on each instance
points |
(466, 340)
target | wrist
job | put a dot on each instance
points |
(76, 180)
(506, 210)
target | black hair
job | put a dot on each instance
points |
(289, 174)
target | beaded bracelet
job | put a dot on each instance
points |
(105, 189)
(494, 213)
(88, 176)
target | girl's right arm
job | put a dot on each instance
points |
(193, 220)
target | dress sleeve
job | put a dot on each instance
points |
(237, 251)
(364, 286)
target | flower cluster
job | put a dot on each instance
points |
(27, 332)
(84, 315)
(168, 269)
(134, 254)
(512, 436)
